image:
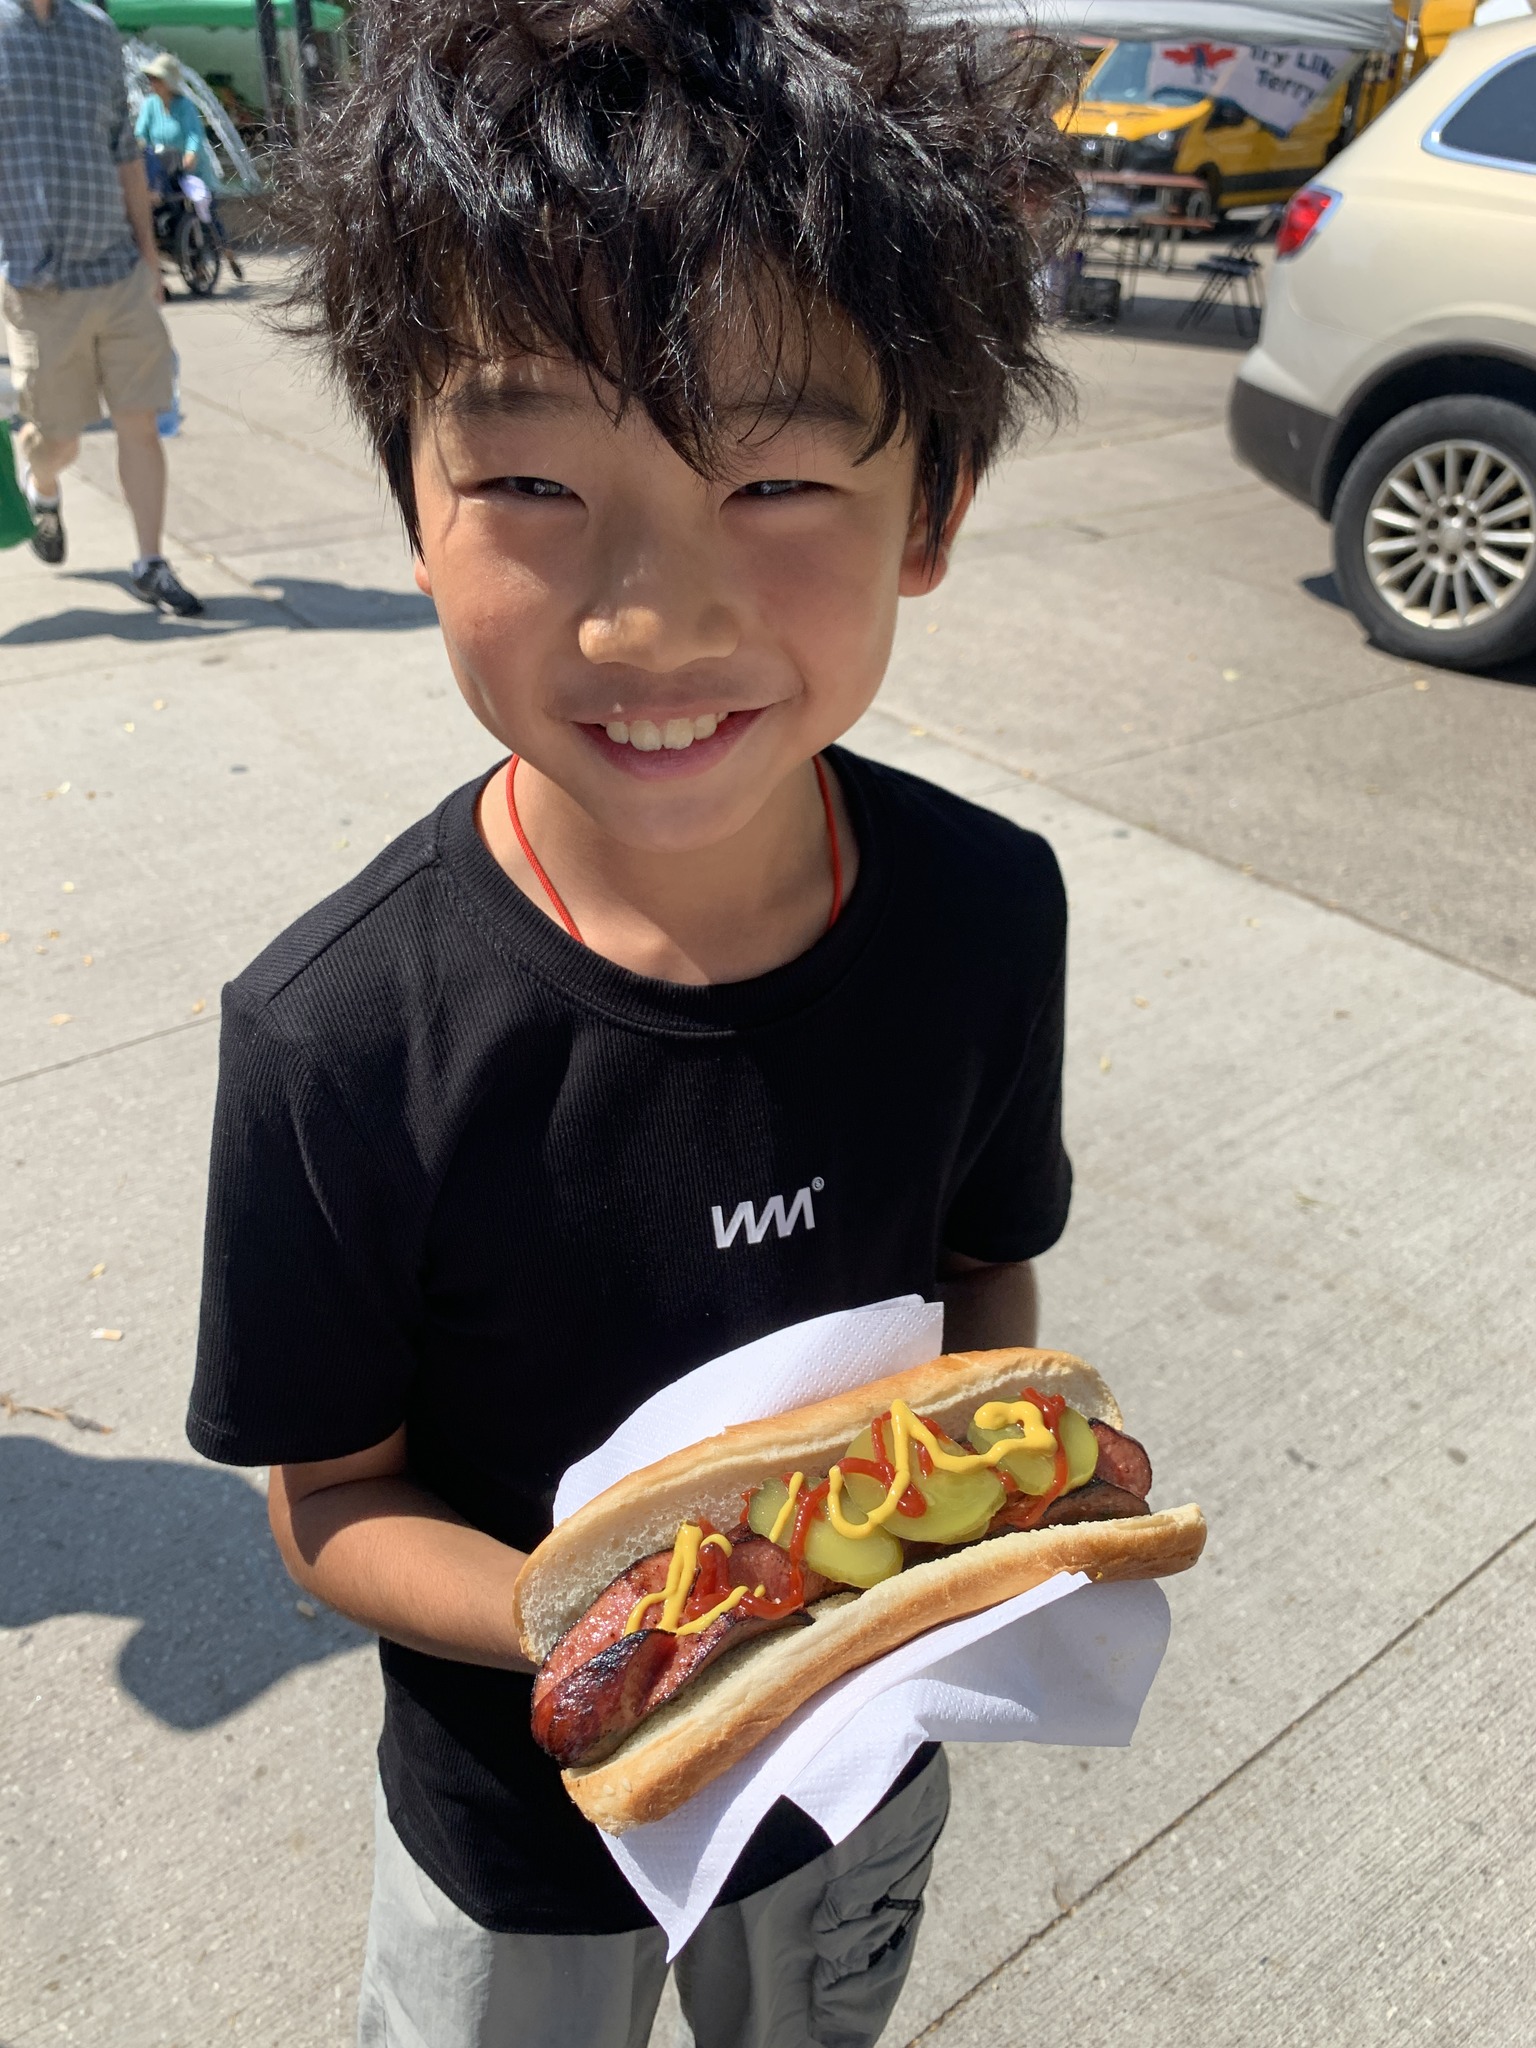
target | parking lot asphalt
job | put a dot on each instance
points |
(1300, 1105)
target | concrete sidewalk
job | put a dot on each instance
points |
(1301, 1109)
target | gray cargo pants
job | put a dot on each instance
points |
(817, 1958)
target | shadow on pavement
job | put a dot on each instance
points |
(1152, 317)
(340, 605)
(296, 604)
(220, 615)
(182, 1549)
(223, 615)
(1520, 673)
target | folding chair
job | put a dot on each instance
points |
(1235, 269)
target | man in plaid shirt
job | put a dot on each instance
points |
(79, 273)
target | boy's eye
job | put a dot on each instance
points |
(534, 487)
(775, 487)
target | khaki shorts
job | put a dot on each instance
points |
(72, 351)
(814, 1961)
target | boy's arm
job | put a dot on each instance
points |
(988, 1307)
(360, 1535)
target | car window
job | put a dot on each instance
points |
(1122, 78)
(1495, 120)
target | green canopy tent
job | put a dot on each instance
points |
(135, 16)
(221, 41)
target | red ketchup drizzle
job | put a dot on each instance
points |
(766, 1606)
(711, 1579)
(805, 1508)
(887, 1470)
(911, 1503)
(1052, 1407)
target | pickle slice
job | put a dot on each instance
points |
(957, 1505)
(1081, 1446)
(852, 1560)
(1035, 1471)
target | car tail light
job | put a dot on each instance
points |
(1304, 214)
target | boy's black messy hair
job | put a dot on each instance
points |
(613, 179)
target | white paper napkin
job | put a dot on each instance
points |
(1068, 1662)
(786, 1369)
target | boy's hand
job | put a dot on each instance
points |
(988, 1308)
(363, 1537)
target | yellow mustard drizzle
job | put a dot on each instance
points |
(732, 1599)
(909, 1429)
(781, 1520)
(1001, 1414)
(681, 1572)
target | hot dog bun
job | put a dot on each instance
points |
(733, 1706)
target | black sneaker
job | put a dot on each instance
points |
(159, 585)
(47, 532)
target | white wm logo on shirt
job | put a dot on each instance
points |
(773, 1212)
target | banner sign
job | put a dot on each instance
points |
(1278, 87)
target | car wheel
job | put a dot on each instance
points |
(1434, 533)
(1205, 205)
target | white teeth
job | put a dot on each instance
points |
(676, 734)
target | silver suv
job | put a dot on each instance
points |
(1394, 383)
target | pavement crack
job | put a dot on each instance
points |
(265, 432)
(1237, 730)
(963, 743)
(1213, 1792)
(1069, 444)
(104, 1052)
(992, 539)
(1334, 906)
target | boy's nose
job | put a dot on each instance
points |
(659, 605)
(658, 637)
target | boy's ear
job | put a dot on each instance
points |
(920, 571)
(423, 580)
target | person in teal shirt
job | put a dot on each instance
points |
(169, 120)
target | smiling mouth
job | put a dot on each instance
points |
(674, 734)
(659, 749)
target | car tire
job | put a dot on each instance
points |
(1205, 205)
(1434, 533)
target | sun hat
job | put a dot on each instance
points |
(166, 67)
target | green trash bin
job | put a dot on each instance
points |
(15, 513)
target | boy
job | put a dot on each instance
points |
(683, 329)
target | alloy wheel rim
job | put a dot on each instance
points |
(1450, 537)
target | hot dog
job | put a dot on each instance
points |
(684, 1614)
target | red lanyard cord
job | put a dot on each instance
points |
(569, 922)
(532, 858)
(832, 845)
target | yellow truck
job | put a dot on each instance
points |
(1253, 124)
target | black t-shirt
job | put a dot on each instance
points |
(471, 1177)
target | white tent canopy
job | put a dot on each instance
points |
(1341, 24)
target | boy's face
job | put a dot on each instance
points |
(665, 648)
